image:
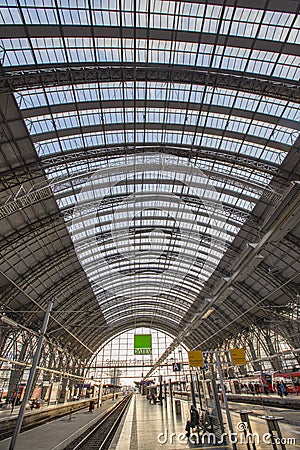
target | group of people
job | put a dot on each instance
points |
(254, 389)
(281, 388)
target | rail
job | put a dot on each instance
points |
(91, 440)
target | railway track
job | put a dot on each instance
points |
(43, 416)
(100, 435)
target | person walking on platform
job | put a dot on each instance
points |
(193, 422)
(13, 402)
(283, 388)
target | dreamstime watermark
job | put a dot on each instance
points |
(208, 438)
(150, 214)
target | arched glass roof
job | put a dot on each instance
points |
(160, 126)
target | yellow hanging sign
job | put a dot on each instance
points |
(238, 357)
(196, 358)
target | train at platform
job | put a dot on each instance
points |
(264, 383)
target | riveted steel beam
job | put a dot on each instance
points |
(34, 77)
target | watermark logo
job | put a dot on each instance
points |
(242, 426)
(149, 214)
(209, 438)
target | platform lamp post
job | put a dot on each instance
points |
(31, 377)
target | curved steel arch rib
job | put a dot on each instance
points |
(26, 172)
(12, 80)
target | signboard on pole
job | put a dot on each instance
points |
(142, 344)
(238, 356)
(196, 358)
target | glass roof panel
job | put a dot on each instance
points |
(62, 121)
(154, 178)
(153, 223)
(155, 136)
(243, 22)
(81, 50)
(157, 91)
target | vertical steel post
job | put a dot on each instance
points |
(199, 392)
(100, 393)
(247, 429)
(274, 429)
(160, 390)
(165, 392)
(225, 399)
(216, 399)
(193, 390)
(31, 377)
(170, 389)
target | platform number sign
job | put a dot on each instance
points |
(238, 357)
(142, 344)
(176, 367)
(196, 358)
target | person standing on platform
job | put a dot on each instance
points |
(266, 390)
(193, 422)
(252, 390)
(278, 388)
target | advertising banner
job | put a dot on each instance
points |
(142, 344)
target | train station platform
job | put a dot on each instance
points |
(290, 415)
(291, 401)
(54, 435)
(151, 427)
(148, 426)
(7, 412)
